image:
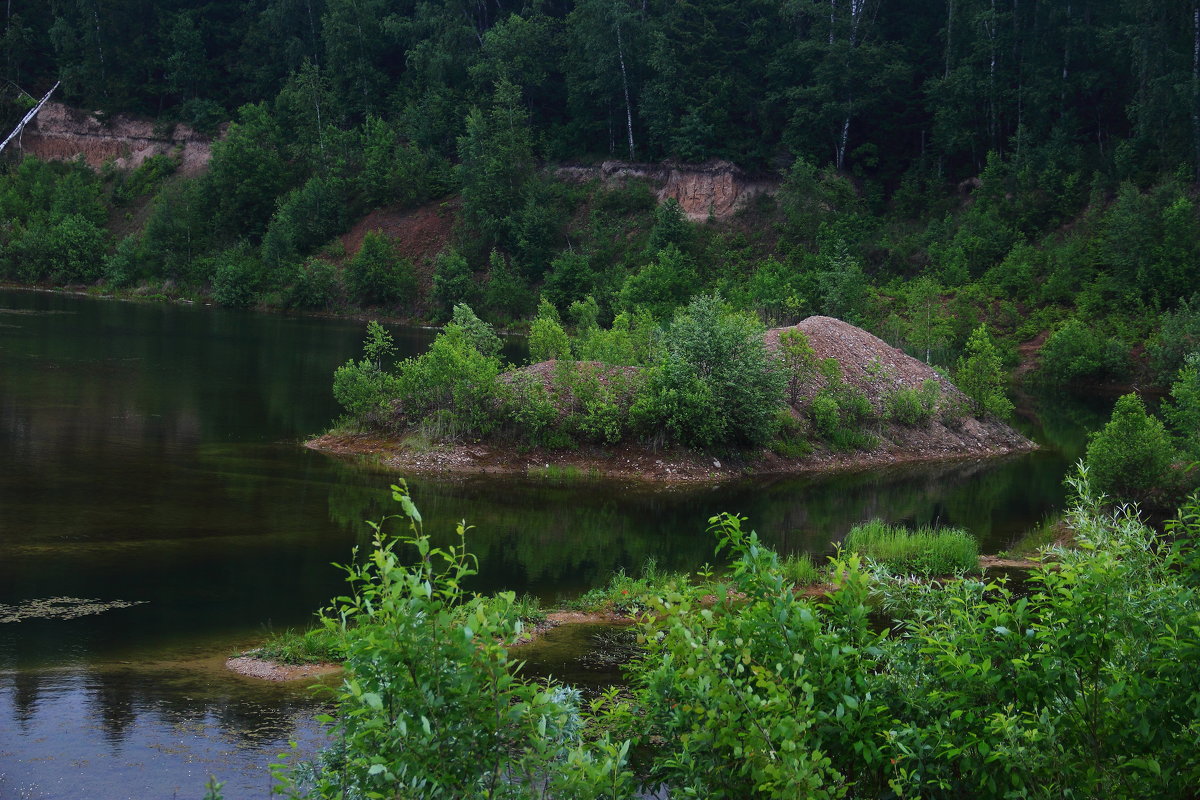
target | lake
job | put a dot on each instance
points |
(158, 513)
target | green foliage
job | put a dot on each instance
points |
(306, 218)
(377, 276)
(981, 377)
(145, 179)
(506, 295)
(452, 378)
(313, 285)
(483, 337)
(631, 340)
(914, 406)
(925, 551)
(799, 361)
(364, 387)
(716, 383)
(1083, 680)
(840, 412)
(315, 646)
(1130, 458)
(1179, 335)
(799, 570)
(1182, 411)
(426, 664)
(1075, 354)
(496, 162)
(547, 339)
(632, 596)
(662, 285)
(453, 281)
(236, 277)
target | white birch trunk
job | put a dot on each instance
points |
(1196, 87)
(27, 118)
(625, 86)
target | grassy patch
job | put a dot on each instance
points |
(926, 551)
(800, 570)
(314, 646)
(629, 595)
(1031, 543)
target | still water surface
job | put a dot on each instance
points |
(151, 454)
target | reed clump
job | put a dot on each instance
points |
(924, 551)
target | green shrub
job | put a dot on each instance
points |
(926, 551)
(431, 705)
(716, 383)
(236, 277)
(1182, 410)
(483, 337)
(547, 339)
(1130, 458)
(663, 284)
(452, 377)
(377, 276)
(364, 387)
(914, 406)
(453, 281)
(1178, 335)
(1075, 354)
(981, 377)
(313, 285)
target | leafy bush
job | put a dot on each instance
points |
(431, 705)
(453, 281)
(547, 339)
(483, 337)
(377, 276)
(663, 284)
(1130, 458)
(452, 377)
(981, 377)
(236, 277)
(926, 551)
(716, 383)
(1179, 335)
(914, 406)
(364, 388)
(313, 285)
(1074, 353)
(1085, 680)
(1182, 410)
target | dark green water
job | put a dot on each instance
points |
(151, 454)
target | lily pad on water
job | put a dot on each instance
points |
(61, 608)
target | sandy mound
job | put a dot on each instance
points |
(877, 369)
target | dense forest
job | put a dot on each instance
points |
(1028, 165)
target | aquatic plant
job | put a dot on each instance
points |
(61, 608)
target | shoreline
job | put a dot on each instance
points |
(631, 464)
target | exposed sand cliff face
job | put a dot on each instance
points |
(716, 188)
(61, 133)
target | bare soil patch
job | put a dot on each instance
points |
(263, 669)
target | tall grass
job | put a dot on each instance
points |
(799, 570)
(925, 551)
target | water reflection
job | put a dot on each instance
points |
(107, 731)
(150, 453)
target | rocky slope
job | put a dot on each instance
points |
(877, 369)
